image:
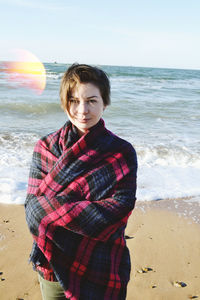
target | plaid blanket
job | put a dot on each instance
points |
(81, 192)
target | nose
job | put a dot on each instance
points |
(83, 108)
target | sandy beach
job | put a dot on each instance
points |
(164, 242)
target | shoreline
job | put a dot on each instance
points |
(163, 238)
(186, 207)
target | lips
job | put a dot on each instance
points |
(83, 120)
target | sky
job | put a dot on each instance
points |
(145, 33)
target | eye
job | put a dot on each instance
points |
(74, 101)
(92, 101)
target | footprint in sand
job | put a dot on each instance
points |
(179, 284)
(2, 279)
(6, 221)
(144, 270)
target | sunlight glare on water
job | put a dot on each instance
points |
(26, 71)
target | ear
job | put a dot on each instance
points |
(104, 107)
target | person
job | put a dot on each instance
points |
(81, 191)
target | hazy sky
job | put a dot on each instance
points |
(149, 33)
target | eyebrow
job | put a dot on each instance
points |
(86, 98)
(92, 97)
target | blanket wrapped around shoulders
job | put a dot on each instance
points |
(81, 192)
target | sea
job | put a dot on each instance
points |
(157, 110)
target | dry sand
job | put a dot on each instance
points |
(164, 242)
(167, 243)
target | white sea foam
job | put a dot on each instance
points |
(51, 75)
(162, 172)
(160, 182)
(166, 172)
(15, 157)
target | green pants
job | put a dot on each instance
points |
(51, 290)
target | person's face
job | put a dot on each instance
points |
(85, 106)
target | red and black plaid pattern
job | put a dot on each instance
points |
(81, 192)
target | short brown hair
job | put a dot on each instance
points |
(81, 73)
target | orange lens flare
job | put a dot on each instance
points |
(27, 71)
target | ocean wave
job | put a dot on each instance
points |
(54, 75)
(163, 171)
(26, 108)
(175, 156)
(167, 172)
(15, 157)
(15, 140)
